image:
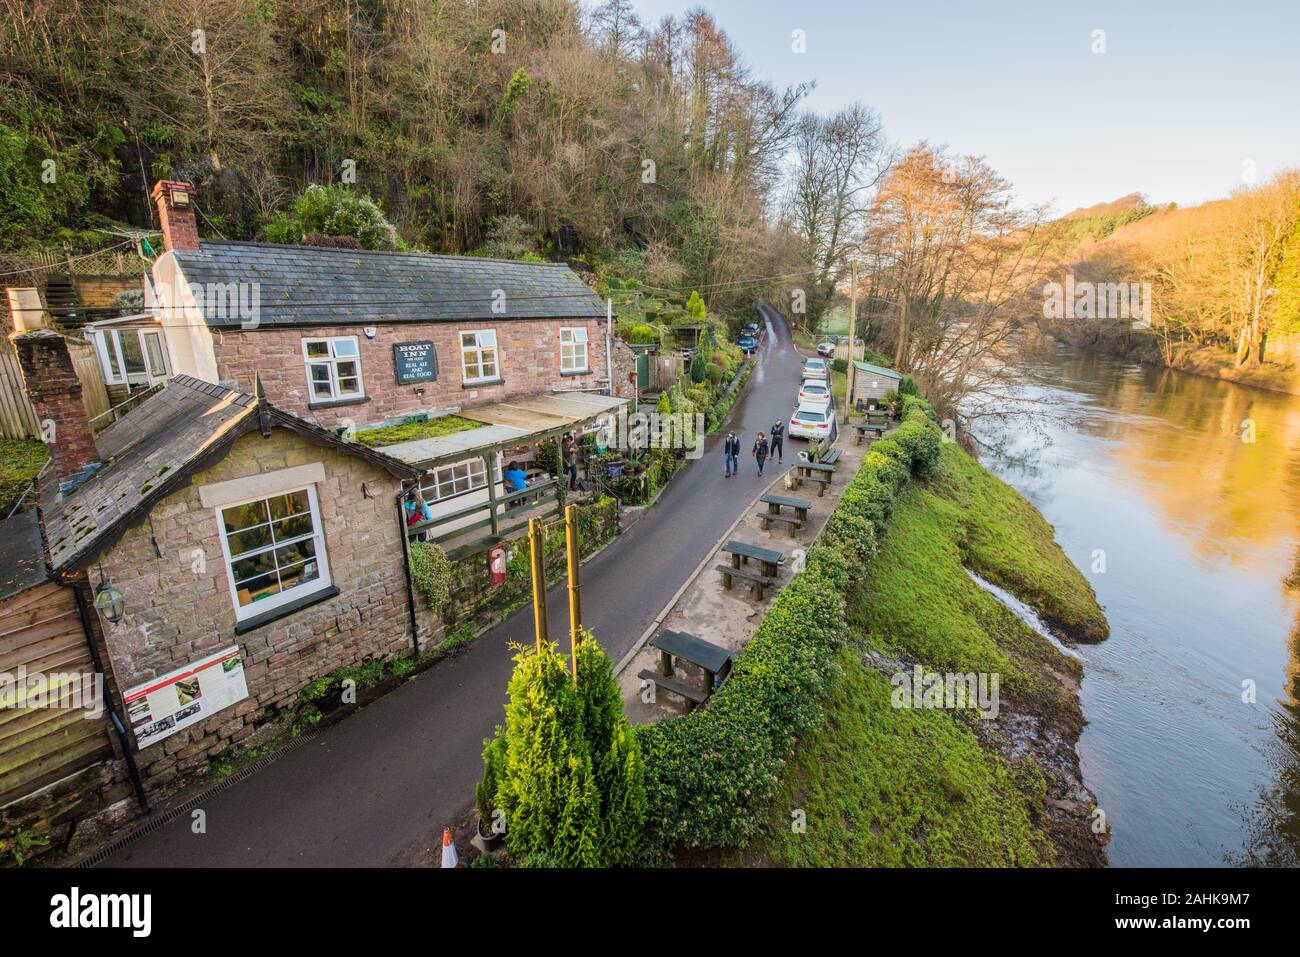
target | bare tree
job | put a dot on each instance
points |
(837, 162)
(959, 263)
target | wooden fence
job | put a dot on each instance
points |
(18, 418)
(40, 629)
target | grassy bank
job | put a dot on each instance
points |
(811, 755)
(883, 786)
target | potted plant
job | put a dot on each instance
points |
(487, 832)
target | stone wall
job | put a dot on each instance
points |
(529, 352)
(179, 606)
(474, 598)
(624, 361)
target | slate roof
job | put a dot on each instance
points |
(154, 450)
(310, 285)
(22, 558)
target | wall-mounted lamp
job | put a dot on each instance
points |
(180, 198)
(109, 602)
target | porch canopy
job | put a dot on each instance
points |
(511, 423)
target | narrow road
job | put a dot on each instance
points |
(377, 788)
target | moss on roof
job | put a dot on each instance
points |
(411, 431)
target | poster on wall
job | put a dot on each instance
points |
(159, 708)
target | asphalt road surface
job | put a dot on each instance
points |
(377, 788)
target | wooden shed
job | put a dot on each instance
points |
(872, 382)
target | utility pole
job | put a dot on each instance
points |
(853, 336)
(575, 585)
(537, 548)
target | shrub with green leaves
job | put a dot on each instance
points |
(911, 402)
(566, 768)
(431, 572)
(921, 440)
(696, 308)
(333, 210)
(699, 368)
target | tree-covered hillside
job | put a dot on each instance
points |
(507, 125)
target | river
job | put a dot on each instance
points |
(1179, 498)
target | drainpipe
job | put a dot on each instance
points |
(131, 769)
(609, 345)
(406, 568)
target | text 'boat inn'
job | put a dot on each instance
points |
(225, 542)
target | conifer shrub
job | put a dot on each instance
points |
(565, 770)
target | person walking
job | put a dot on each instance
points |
(778, 438)
(760, 451)
(731, 451)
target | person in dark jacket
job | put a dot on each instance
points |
(760, 451)
(778, 437)
(731, 451)
(569, 452)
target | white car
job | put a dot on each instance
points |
(812, 421)
(814, 369)
(814, 392)
(826, 349)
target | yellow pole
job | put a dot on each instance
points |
(537, 547)
(575, 584)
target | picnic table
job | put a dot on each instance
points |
(713, 660)
(775, 503)
(767, 558)
(773, 514)
(819, 472)
(862, 428)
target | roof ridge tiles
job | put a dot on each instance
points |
(303, 247)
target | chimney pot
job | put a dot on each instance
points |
(175, 202)
(55, 393)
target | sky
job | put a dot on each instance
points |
(1189, 100)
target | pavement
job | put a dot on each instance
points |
(377, 788)
(730, 617)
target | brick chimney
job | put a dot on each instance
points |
(55, 393)
(175, 202)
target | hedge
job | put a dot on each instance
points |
(710, 774)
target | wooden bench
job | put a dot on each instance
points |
(692, 695)
(758, 582)
(830, 458)
(775, 503)
(766, 519)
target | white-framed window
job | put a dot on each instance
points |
(479, 360)
(457, 479)
(573, 349)
(333, 369)
(274, 550)
(131, 355)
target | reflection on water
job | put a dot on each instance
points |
(1179, 497)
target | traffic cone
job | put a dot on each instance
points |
(449, 856)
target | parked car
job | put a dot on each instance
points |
(814, 392)
(747, 343)
(749, 329)
(826, 349)
(812, 421)
(814, 369)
